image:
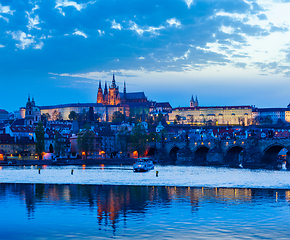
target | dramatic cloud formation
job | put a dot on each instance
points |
(55, 43)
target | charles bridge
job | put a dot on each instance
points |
(246, 152)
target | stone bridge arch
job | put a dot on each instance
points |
(173, 154)
(233, 155)
(270, 154)
(151, 151)
(200, 154)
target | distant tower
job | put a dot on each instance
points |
(32, 102)
(100, 94)
(196, 102)
(124, 95)
(114, 97)
(124, 87)
(105, 96)
(106, 88)
(192, 101)
(32, 113)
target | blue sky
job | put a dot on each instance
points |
(226, 52)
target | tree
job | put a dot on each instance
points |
(150, 120)
(97, 117)
(123, 137)
(45, 117)
(191, 119)
(56, 115)
(50, 148)
(85, 142)
(117, 117)
(268, 120)
(59, 148)
(138, 139)
(73, 115)
(159, 117)
(177, 118)
(153, 137)
(39, 144)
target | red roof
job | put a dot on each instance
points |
(22, 129)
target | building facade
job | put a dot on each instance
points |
(216, 115)
(3, 114)
(271, 115)
(113, 96)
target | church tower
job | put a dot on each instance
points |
(196, 102)
(32, 113)
(114, 97)
(100, 94)
(191, 101)
(105, 96)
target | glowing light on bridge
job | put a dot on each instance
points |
(135, 154)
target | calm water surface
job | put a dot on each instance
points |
(73, 211)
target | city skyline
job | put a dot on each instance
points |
(223, 52)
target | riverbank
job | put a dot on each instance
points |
(127, 161)
(98, 161)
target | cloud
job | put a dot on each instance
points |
(101, 33)
(6, 10)
(173, 35)
(116, 25)
(25, 40)
(278, 29)
(189, 3)
(80, 33)
(141, 30)
(174, 21)
(240, 65)
(32, 22)
(60, 4)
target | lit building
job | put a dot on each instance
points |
(271, 115)
(63, 110)
(215, 115)
(114, 97)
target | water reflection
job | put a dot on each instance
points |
(115, 206)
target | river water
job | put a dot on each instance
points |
(114, 203)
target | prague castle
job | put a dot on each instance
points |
(114, 97)
(108, 101)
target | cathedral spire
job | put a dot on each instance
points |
(124, 87)
(192, 101)
(196, 102)
(106, 88)
(29, 97)
(113, 81)
(100, 85)
(33, 103)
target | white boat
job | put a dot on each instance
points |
(143, 165)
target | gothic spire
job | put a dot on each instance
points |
(191, 101)
(33, 103)
(196, 102)
(124, 87)
(106, 88)
(113, 81)
(100, 85)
